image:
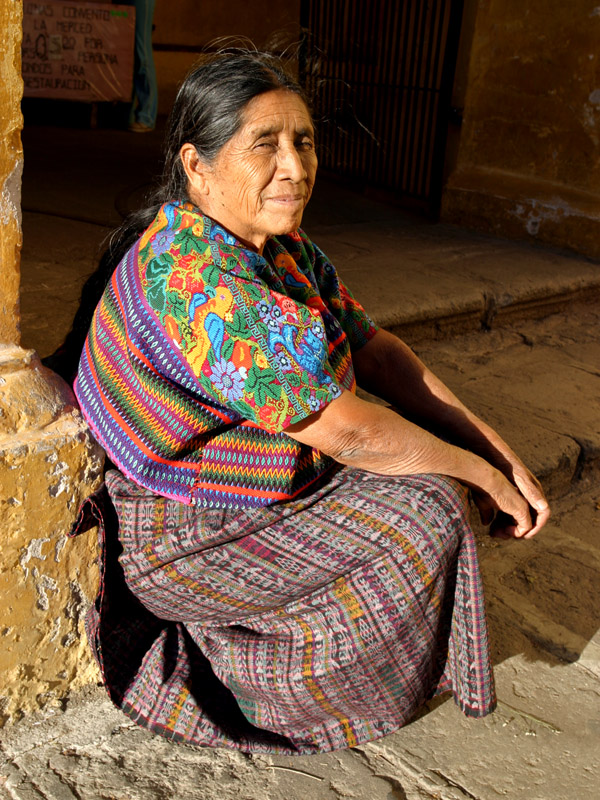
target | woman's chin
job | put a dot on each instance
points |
(287, 224)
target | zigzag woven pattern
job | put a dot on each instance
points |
(201, 353)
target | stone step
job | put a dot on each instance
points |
(425, 281)
(537, 382)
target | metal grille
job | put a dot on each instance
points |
(380, 75)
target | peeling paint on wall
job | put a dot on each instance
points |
(44, 600)
(590, 112)
(77, 605)
(10, 197)
(55, 632)
(43, 585)
(589, 119)
(534, 213)
(33, 550)
(58, 547)
(61, 486)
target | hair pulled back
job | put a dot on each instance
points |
(207, 112)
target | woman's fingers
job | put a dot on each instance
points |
(521, 511)
(506, 511)
(540, 518)
(504, 527)
(531, 489)
(521, 523)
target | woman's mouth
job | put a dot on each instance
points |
(288, 200)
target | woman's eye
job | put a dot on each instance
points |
(306, 144)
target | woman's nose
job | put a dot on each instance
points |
(290, 165)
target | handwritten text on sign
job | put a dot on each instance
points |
(78, 51)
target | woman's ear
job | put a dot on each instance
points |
(196, 171)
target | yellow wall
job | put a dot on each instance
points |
(528, 162)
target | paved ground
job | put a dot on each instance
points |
(513, 330)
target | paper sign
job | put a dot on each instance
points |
(78, 51)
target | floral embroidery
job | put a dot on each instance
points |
(254, 332)
(228, 380)
(249, 340)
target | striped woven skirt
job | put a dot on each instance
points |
(306, 626)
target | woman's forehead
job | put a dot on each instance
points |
(273, 111)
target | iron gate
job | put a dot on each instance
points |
(380, 73)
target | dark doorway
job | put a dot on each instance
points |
(380, 74)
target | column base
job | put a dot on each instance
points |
(48, 464)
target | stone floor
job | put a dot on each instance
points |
(513, 329)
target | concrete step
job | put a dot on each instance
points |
(538, 383)
(430, 281)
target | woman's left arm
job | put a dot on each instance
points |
(389, 369)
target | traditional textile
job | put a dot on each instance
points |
(309, 625)
(202, 352)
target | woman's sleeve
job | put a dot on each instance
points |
(354, 320)
(252, 350)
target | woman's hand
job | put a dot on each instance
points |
(497, 452)
(513, 512)
(377, 439)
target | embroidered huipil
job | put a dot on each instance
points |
(201, 353)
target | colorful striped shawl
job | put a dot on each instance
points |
(202, 352)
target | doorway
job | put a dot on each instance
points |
(380, 77)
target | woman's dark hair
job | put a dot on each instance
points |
(207, 112)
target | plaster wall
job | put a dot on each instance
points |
(528, 161)
(48, 464)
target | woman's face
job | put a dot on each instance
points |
(262, 179)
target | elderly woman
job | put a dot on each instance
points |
(296, 572)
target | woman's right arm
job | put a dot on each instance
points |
(377, 439)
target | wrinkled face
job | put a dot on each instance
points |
(262, 179)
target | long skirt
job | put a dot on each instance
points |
(310, 625)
